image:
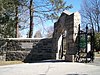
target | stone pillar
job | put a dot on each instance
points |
(67, 22)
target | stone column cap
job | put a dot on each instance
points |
(67, 12)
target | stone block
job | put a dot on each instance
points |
(16, 55)
(69, 58)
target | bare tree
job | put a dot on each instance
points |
(29, 13)
(49, 31)
(38, 34)
(31, 19)
(90, 11)
(17, 21)
(45, 10)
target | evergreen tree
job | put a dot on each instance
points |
(7, 20)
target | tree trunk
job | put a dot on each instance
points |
(31, 19)
(98, 23)
(16, 22)
(98, 29)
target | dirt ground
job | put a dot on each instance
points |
(9, 62)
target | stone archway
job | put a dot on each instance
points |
(67, 22)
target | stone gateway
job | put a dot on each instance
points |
(61, 46)
(65, 35)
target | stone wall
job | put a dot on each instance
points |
(29, 50)
(16, 55)
(42, 50)
(3, 57)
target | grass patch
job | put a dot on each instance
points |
(9, 62)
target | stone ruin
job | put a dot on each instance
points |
(62, 46)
